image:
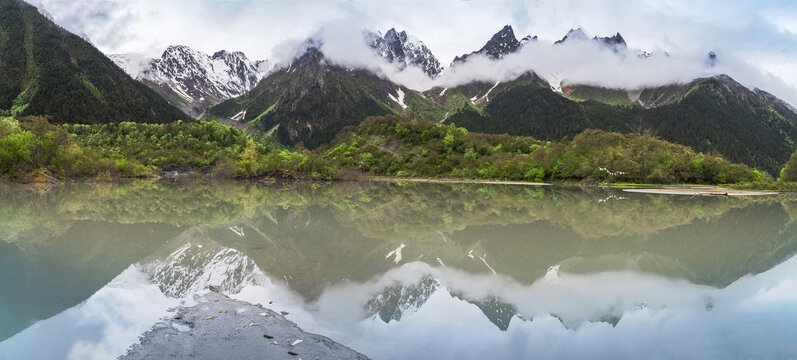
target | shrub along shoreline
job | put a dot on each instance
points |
(388, 146)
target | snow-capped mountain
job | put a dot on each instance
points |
(200, 262)
(573, 34)
(405, 50)
(193, 80)
(502, 43)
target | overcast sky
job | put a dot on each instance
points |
(762, 34)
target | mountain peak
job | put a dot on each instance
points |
(404, 50)
(616, 42)
(500, 44)
(573, 34)
(177, 48)
(505, 33)
(224, 54)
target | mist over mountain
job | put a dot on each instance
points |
(601, 60)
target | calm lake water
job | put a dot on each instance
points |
(405, 271)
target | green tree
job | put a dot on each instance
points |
(789, 172)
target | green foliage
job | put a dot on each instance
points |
(8, 125)
(603, 95)
(135, 150)
(789, 172)
(399, 146)
(174, 145)
(15, 149)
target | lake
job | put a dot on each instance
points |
(405, 270)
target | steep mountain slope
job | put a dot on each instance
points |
(193, 80)
(404, 50)
(310, 101)
(710, 114)
(45, 70)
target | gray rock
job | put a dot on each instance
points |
(218, 327)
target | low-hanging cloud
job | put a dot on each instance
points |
(584, 62)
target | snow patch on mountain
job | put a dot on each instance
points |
(399, 99)
(554, 81)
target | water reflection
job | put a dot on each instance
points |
(482, 271)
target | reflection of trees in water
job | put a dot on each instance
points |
(381, 210)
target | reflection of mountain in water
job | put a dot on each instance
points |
(398, 300)
(200, 262)
(495, 309)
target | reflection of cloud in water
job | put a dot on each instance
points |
(617, 314)
(99, 328)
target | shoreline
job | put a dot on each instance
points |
(175, 175)
(702, 191)
(456, 181)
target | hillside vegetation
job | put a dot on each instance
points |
(31, 147)
(394, 146)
